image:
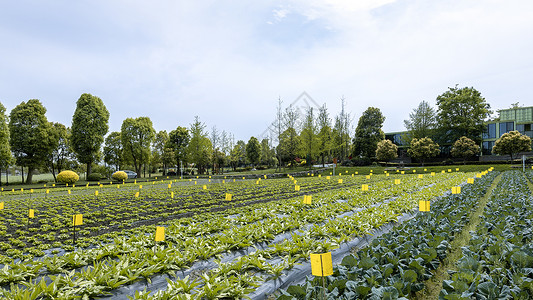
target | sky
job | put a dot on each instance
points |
(228, 62)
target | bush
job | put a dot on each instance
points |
(94, 177)
(67, 177)
(119, 176)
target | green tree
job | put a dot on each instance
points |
(178, 140)
(238, 155)
(309, 136)
(160, 142)
(253, 151)
(267, 153)
(324, 134)
(461, 112)
(6, 157)
(113, 155)
(62, 152)
(422, 122)
(368, 133)
(136, 136)
(89, 126)
(386, 150)
(465, 148)
(290, 145)
(423, 149)
(512, 143)
(200, 147)
(32, 136)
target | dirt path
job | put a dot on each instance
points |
(434, 285)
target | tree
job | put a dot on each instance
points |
(368, 133)
(290, 145)
(324, 133)
(465, 148)
(512, 143)
(62, 151)
(267, 155)
(461, 112)
(279, 128)
(158, 151)
(178, 140)
(423, 149)
(253, 151)
(215, 140)
(136, 136)
(422, 122)
(341, 134)
(386, 150)
(32, 137)
(309, 136)
(113, 155)
(238, 155)
(89, 126)
(6, 157)
(200, 146)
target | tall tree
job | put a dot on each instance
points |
(279, 129)
(62, 151)
(368, 133)
(136, 136)
(238, 155)
(89, 126)
(386, 150)
(421, 122)
(253, 150)
(290, 145)
(267, 155)
(512, 143)
(158, 150)
(178, 140)
(423, 149)
(465, 148)
(309, 136)
(200, 147)
(215, 141)
(113, 154)
(324, 134)
(461, 112)
(32, 137)
(6, 157)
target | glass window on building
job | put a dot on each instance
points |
(490, 132)
(506, 127)
(487, 148)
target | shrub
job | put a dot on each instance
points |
(94, 177)
(68, 177)
(119, 176)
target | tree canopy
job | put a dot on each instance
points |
(464, 148)
(421, 122)
(253, 151)
(368, 133)
(89, 126)
(178, 140)
(5, 150)
(113, 150)
(512, 143)
(200, 146)
(386, 150)
(136, 136)
(423, 149)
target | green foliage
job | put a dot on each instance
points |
(253, 150)
(94, 177)
(119, 176)
(136, 136)
(32, 136)
(465, 148)
(386, 150)
(290, 145)
(309, 136)
(368, 133)
(5, 151)
(423, 149)
(113, 150)
(422, 122)
(89, 125)
(178, 140)
(325, 138)
(67, 176)
(461, 112)
(200, 147)
(512, 143)
(61, 152)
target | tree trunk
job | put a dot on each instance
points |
(22, 173)
(89, 169)
(30, 175)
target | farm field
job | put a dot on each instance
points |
(242, 238)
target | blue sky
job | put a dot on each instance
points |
(229, 61)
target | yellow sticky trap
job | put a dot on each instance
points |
(172, 195)
(44, 185)
(194, 182)
(159, 234)
(169, 185)
(257, 182)
(31, 191)
(456, 169)
(320, 175)
(140, 186)
(356, 173)
(96, 193)
(387, 174)
(77, 220)
(233, 179)
(31, 214)
(396, 181)
(443, 172)
(321, 264)
(228, 197)
(340, 180)
(47, 191)
(136, 194)
(367, 176)
(402, 172)
(1, 205)
(118, 186)
(243, 178)
(425, 170)
(87, 185)
(432, 173)
(135, 181)
(414, 171)
(209, 176)
(69, 192)
(328, 177)
(470, 180)
(209, 180)
(478, 175)
(22, 190)
(223, 181)
(423, 205)
(449, 170)
(364, 187)
(53, 184)
(307, 199)
(265, 176)
(420, 176)
(204, 187)
(456, 190)
(297, 188)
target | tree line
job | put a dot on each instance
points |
(30, 141)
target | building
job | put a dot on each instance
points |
(518, 118)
